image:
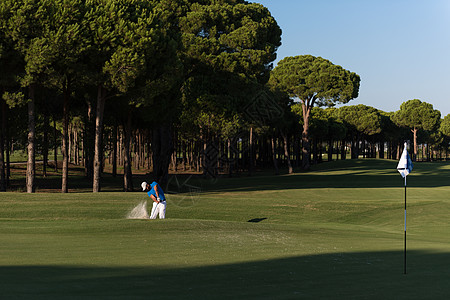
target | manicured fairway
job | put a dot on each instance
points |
(333, 233)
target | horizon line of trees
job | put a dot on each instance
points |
(186, 83)
(336, 133)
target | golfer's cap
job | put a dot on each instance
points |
(144, 186)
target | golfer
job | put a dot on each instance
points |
(155, 192)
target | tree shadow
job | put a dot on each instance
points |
(360, 275)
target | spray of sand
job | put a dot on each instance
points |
(139, 212)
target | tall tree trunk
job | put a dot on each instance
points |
(320, 151)
(353, 149)
(184, 155)
(136, 150)
(7, 152)
(83, 150)
(101, 99)
(414, 131)
(127, 175)
(31, 168)
(274, 156)
(381, 150)
(191, 158)
(120, 146)
(424, 153)
(114, 152)
(45, 145)
(363, 146)
(343, 153)
(149, 151)
(306, 145)
(64, 145)
(230, 159)
(88, 141)
(76, 147)
(196, 155)
(250, 150)
(70, 141)
(388, 149)
(55, 141)
(2, 148)
(286, 152)
(297, 151)
(202, 155)
(142, 137)
(330, 150)
(162, 149)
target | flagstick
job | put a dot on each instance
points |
(405, 230)
(405, 167)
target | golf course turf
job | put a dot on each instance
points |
(335, 232)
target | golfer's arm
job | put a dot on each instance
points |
(156, 191)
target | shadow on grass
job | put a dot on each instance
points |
(371, 275)
(256, 220)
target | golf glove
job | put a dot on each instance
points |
(159, 199)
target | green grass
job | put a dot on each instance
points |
(22, 156)
(333, 233)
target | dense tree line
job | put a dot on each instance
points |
(187, 85)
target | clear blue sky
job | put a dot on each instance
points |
(400, 48)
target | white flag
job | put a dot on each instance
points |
(405, 165)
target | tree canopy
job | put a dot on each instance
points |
(445, 126)
(365, 119)
(189, 80)
(313, 80)
(416, 115)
